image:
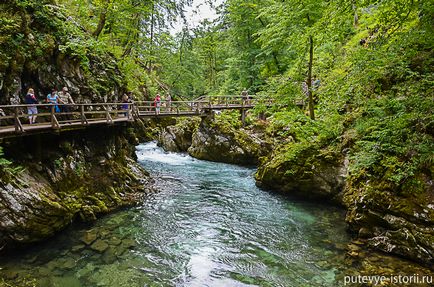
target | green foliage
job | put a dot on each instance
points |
(374, 60)
(7, 169)
(27, 281)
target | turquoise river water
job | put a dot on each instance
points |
(208, 226)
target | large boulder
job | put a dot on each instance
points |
(310, 175)
(221, 142)
(179, 137)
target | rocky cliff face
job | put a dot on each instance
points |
(399, 223)
(179, 137)
(40, 47)
(77, 175)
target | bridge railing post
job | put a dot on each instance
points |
(18, 125)
(54, 121)
(129, 117)
(83, 116)
(107, 114)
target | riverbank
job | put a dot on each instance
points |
(52, 180)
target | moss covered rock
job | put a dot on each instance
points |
(309, 173)
(221, 142)
(395, 223)
(77, 175)
(179, 137)
(40, 47)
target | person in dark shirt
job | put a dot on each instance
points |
(31, 101)
(125, 104)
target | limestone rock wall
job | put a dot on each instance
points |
(60, 178)
(41, 47)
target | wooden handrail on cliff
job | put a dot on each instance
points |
(14, 118)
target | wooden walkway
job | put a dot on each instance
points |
(14, 120)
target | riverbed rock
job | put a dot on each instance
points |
(89, 237)
(114, 241)
(99, 246)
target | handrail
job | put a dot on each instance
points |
(15, 118)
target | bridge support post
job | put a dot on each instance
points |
(243, 112)
(107, 113)
(54, 121)
(83, 116)
(18, 126)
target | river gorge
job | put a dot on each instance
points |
(208, 226)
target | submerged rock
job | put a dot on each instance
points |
(114, 241)
(99, 246)
(89, 237)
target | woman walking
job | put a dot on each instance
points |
(31, 101)
(157, 104)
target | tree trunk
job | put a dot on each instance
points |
(151, 48)
(356, 17)
(101, 23)
(309, 79)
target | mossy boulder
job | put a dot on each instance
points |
(309, 173)
(179, 137)
(221, 142)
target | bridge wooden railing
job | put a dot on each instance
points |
(15, 118)
(230, 101)
(148, 108)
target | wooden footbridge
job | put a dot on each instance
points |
(14, 120)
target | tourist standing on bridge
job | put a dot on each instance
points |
(32, 110)
(125, 104)
(157, 104)
(168, 102)
(53, 98)
(245, 97)
(66, 99)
